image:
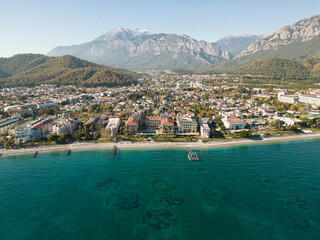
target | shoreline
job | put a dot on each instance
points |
(150, 145)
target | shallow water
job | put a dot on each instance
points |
(269, 191)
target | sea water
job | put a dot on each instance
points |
(264, 191)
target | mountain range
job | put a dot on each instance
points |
(298, 41)
(141, 50)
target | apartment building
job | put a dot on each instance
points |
(205, 128)
(113, 126)
(187, 124)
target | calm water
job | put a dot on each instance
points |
(269, 191)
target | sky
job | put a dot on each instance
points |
(37, 26)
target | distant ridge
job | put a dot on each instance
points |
(236, 44)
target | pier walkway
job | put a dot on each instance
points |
(193, 156)
(114, 152)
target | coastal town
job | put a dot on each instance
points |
(161, 107)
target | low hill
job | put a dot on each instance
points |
(36, 69)
(279, 68)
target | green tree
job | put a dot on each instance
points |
(277, 124)
(53, 138)
(67, 136)
(244, 134)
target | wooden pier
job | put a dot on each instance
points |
(193, 156)
(69, 152)
(35, 154)
(114, 152)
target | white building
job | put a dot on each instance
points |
(113, 126)
(65, 125)
(292, 99)
(195, 84)
(204, 128)
(310, 99)
(187, 125)
(287, 121)
(44, 105)
(233, 123)
(182, 85)
(23, 133)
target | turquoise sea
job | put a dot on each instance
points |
(265, 191)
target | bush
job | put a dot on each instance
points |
(244, 134)
(53, 137)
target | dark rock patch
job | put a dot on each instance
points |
(269, 182)
(295, 222)
(163, 186)
(217, 194)
(128, 200)
(108, 184)
(159, 219)
(298, 201)
(170, 200)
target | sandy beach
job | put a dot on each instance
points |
(144, 145)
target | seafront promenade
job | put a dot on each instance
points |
(144, 145)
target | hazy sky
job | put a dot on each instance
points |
(37, 26)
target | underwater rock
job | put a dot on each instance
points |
(171, 200)
(299, 201)
(309, 189)
(163, 186)
(295, 222)
(269, 182)
(159, 219)
(293, 176)
(282, 182)
(108, 184)
(127, 200)
(217, 194)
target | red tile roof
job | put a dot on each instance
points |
(167, 121)
(40, 125)
(235, 120)
(132, 121)
(153, 118)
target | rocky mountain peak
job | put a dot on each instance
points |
(302, 31)
(122, 33)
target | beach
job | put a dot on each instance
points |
(143, 145)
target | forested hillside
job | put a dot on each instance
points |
(279, 68)
(36, 69)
